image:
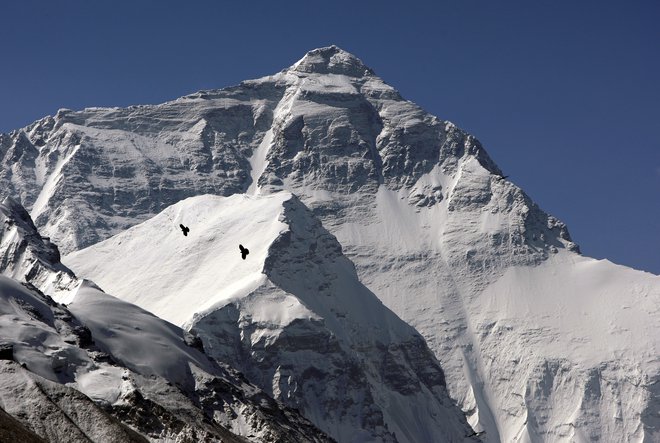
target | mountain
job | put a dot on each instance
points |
(293, 316)
(537, 342)
(87, 371)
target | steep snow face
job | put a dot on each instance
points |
(417, 204)
(296, 320)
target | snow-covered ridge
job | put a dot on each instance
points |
(90, 370)
(292, 316)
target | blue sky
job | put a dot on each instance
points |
(564, 94)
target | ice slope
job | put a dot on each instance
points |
(417, 204)
(293, 316)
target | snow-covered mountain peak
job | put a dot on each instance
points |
(435, 230)
(331, 60)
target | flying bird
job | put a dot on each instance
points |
(244, 251)
(502, 177)
(185, 230)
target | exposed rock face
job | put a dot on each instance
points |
(56, 412)
(12, 430)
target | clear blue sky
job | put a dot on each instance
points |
(564, 94)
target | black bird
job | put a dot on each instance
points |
(502, 177)
(185, 230)
(244, 251)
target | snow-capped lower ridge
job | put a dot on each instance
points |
(292, 316)
(104, 370)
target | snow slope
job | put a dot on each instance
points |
(417, 204)
(201, 276)
(293, 316)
